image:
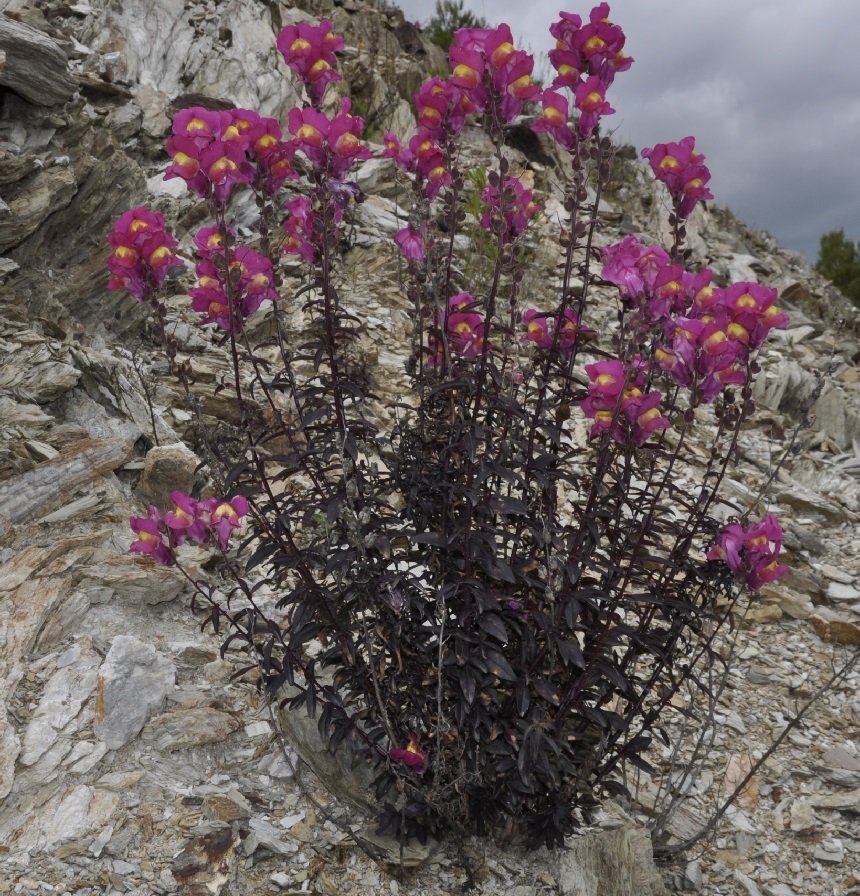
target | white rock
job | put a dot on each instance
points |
(64, 695)
(80, 812)
(134, 681)
(158, 186)
(290, 821)
(838, 591)
(830, 851)
(258, 729)
(269, 837)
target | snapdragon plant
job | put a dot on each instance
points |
(507, 585)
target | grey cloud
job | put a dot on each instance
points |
(770, 90)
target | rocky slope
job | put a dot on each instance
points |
(128, 762)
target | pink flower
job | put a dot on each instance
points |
(411, 243)
(394, 150)
(183, 519)
(554, 119)
(591, 102)
(751, 552)
(646, 418)
(142, 252)
(224, 517)
(413, 756)
(541, 328)
(309, 51)
(209, 243)
(537, 329)
(753, 313)
(680, 167)
(149, 538)
(251, 282)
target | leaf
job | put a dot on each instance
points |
(499, 666)
(434, 539)
(468, 685)
(571, 652)
(493, 626)
(507, 506)
(499, 570)
(546, 690)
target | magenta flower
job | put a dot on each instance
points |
(309, 51)
(411, 243)
(751, 552)
(537, 328)
(311, 130)
(431, 103)
(223, 517)
(591, 101)
(541, 328)
(395, 150)
(554, 119)
(251, 282)
(753, 313)
(618, 406)
(467, 67)
(644, 414)
(142, 252)
(680, 167)
(413, 756)
(183, 519)
(149, 538)
(208, 241)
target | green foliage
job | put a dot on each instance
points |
(839, 261)
(450, 16)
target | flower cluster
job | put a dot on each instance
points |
(309, 51)
(519, 207)
(751, 552)
(143, 251)
(214, 151)
(586, 59)
(617, 404)
(543, 329)
(425, 157)
(230, 285)
(299, 228)
(331, 145)
(708, 333)
(681, 168)
(214, 518)
(465, 331)
(488, 75)
(491, 73)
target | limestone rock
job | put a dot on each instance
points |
(32, 201)
(33, 65)
(134, 680)
(167, 468)
(65, 693)
(191, 728)
(615, 862)
(33, 494)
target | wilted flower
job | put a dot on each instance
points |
(413, 756)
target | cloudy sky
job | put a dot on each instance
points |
(770, 90)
